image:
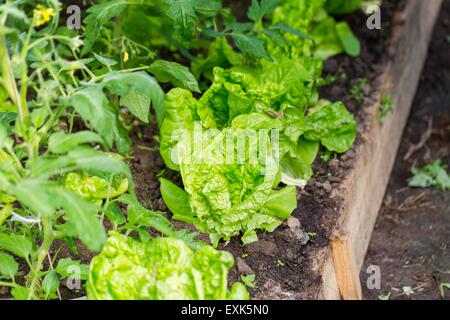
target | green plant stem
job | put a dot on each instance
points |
(9, 81)
(49, 37)
(41, 255)
(51, 122)
(14, 156)
(9, 284)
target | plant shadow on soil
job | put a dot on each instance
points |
(411, 240)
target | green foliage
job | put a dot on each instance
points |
(179, 75)
(19, 245)
(8, 266)
(98, 16)
(349, 42)
(182, 12)
(250, 44)
(60, 142)
(68, 267)
(93, 187)
(122, 83)
(333, 126)
(248, 280)
(161, 269)
(278, 94)
(342, 6)
(93, 106)
(229, 198)
(50, 284)
(259, 9)
(357, 89)
(433, 175)
(177, 200)
(442, 288)
(68, 101)
(386, 107)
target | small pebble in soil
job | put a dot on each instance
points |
(160, 205)
(334, 179)
(3, 290)
(262, 246)
(334, 164)
(348, 155)
(291, 253)
(296, 235)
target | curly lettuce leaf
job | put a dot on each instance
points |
(333, 126)
(242, 90)
(160, 269)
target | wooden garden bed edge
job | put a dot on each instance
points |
(365, 185)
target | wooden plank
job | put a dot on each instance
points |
(366, 183)
(347, 275)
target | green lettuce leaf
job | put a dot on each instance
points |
(181, 113)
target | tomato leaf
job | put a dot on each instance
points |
(8, 266)
(250, 45)
(98, 113)
(104, 60)
(259, 9)
(176, 73)
(184, 20)
(123, 83)
(98, 16)
(20, 245)
(50, 283)
(138, 104)
(69, 268)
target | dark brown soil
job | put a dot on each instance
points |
(411, 241)
(282, 260)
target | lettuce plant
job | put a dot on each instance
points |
(226, 199)
(160, 269)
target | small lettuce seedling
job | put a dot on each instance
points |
(433, 175)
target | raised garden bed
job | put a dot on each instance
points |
(411, 236)
(365, 184)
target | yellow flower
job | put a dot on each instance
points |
(126, 56)
(42, 15)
